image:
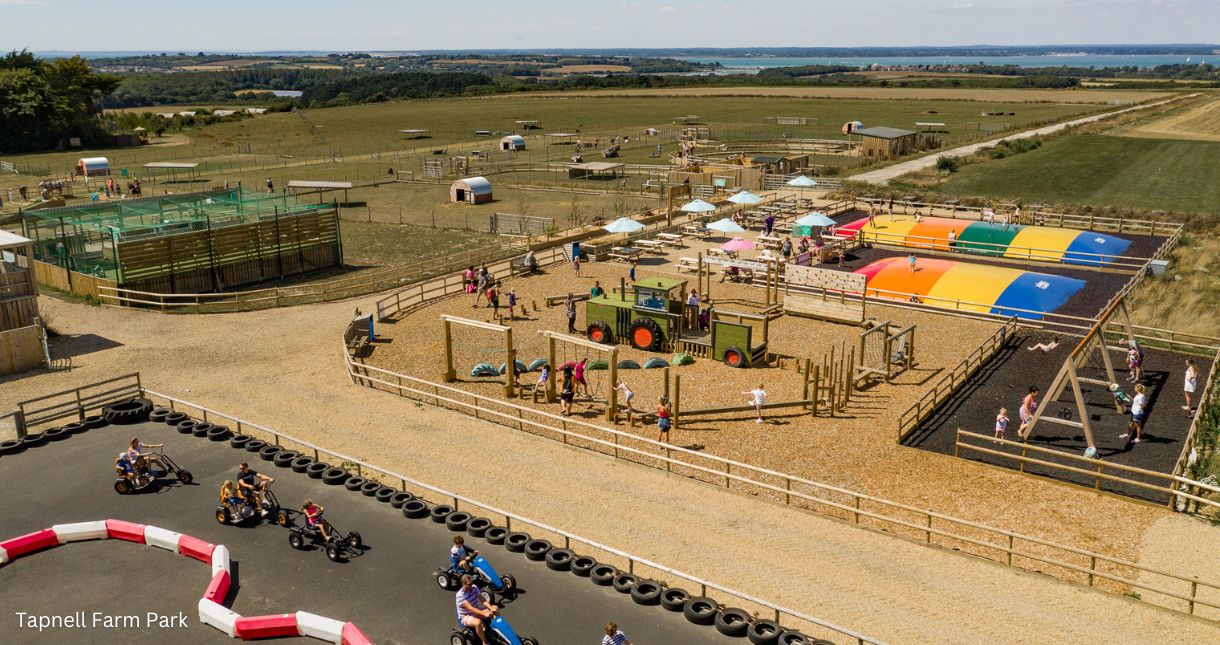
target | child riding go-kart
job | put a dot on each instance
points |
(135, 474)
(484, 575)
(239, 505)
(339, 546)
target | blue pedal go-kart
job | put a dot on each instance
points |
(499, 632)
(485, 578)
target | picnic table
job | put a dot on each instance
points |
(670, 238)
(770, 241)
(721, 253)
(625, 253)
(696, 230)
(653, 246)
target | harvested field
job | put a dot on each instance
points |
(587, 69)
(1198, 122)
(1109, 97)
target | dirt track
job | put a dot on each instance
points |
(283, 368)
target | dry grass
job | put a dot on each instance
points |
(1197, 122)
(896, 93)
(1186, 299)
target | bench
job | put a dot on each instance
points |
(652, 246)
(849, 311)
(356, 337)
(688, 264)
(672, 239)
(519, 267)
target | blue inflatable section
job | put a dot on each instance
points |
(1094, 244)
(1036, 292)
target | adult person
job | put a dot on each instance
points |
(1191, 381)
(664, 418)
(785, 249)
(138, 452)
(470, 608)
(692, 309)
(480, 288)
(1029, 405)
(270, 186)
(758, 397)
(1139, 412)
(952, 239)
(313, 517)
(569, 307)
(768, 224)
(253, 481)
(597, 291)
(614, 635)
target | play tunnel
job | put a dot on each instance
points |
(1045, 243)
(969, 287)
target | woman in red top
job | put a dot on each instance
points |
(663, 421)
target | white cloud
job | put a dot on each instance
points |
(666, 9)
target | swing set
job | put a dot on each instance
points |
(510, 354)
(610, 352)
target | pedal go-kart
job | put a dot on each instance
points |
(499, 632)
(485, 578)
(133, 479)
(339, 547)
(248, 509)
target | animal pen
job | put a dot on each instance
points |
(192, 243)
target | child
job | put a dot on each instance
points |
(1139, 412)
(631, 273)
(313, 517)
(578, 374)
(544, 377)
(628, 395)
(1135, 361)
(1001, 423)
(468, 277)
(664, 423)
(512, 303)
(228, 494)
(576, 265)
(493, 298)
(567, 393)
(1028, 406)
(911, 262)
(460, 556)
(758, 397)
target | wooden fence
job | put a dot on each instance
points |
(910, 420)
(1184, 593)
(79, 284)
(21, 349)
(1208, 397)
(75, 403)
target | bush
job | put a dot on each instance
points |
(946, 164)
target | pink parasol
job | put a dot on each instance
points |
(738, 244)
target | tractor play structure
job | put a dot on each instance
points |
(652, 316)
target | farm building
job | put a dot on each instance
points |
(93, 167)
(885, 142)
(21, 335)
(512, 142)
(190, 243)
(471, 190)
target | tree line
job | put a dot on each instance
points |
(45, 103)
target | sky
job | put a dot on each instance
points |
(372, 25)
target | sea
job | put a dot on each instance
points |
(755, 63)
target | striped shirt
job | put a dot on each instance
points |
(471, 597)
(619, 638)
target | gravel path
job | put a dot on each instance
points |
(883, 175)
(283, 368)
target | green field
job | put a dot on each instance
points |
(1097, 170)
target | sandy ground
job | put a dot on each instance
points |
(284, 369)
(883, 175)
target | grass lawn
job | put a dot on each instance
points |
(1100, 170)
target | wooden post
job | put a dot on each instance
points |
(612, 396)
(817, 373)
(847, 377)
(805, 390)
(1080, 404)
(450, 374)
(677, 405)
(665, 393)
(510, 364)
(550, 357)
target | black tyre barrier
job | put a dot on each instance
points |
(440, 512)
(300, 464)
(385, 494)
(559, 559)
(56, 434)
(733, 622)
(174, 418)
(495, 535)
(202, 428)
(315, 470)
(536, 550)
(700, 610)
(583, 565)
(127, 412)
(603, 575)
(624, 582)
(457, 521)
(268, 452)
(31, 440)
(369, 488)
(400, 498)
(255, 445)
(75, 427)
(186, 426)
(11, 447)
(764, 632)
(95, 421)
(646, 592)
(478, 526)
(415, 509)
(334, 476)
(674, 599)
(515, 542)
(354, 483)
(158, 415)
(239, 440)
(793, 637)
(284, 458)
(218, 433)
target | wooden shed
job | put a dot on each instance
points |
(471, 190)
(884, 142)
(512, 142)
(21, 335)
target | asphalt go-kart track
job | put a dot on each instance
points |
(134, 587)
